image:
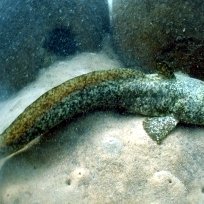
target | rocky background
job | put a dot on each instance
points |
(145, 35)
(149, 32)
(34, 34)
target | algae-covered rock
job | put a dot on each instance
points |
(32, 32)
(148, 32)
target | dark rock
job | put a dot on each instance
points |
(32, 32)
(61, 42)
(146, 33)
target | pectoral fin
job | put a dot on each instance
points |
(159, 127)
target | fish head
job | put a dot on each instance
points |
(190, 109)
(189, 105)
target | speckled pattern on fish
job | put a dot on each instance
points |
(166, 101)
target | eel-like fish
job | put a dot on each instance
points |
(165, 101)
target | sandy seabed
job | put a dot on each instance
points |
(103, 157)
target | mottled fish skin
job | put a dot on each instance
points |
(180, 98)
(51, 108)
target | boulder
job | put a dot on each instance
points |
(148, 33)
(33, 33)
